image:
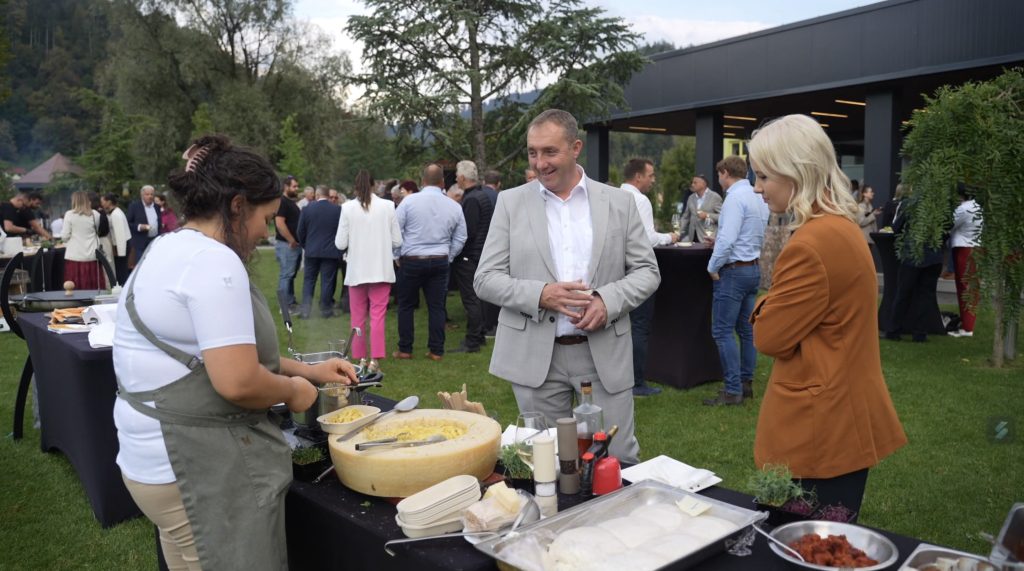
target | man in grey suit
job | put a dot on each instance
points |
(703, 204)
(567, 259)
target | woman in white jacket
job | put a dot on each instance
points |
(963, 238)
(80, 235)
(369, 231)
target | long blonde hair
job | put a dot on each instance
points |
(80, 203)
(796, 148)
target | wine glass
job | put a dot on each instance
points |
(676, 222)
(528, 426)
(709, 228)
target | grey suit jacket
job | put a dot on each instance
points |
(516, 264)
(690, 225)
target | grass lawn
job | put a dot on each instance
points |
(952, 480)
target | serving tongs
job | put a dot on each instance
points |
(391, 443)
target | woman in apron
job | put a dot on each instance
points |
(197, 362)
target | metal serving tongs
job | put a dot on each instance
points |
(391, 443)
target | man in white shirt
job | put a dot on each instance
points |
(308, 197)
(566, 259)
(120, 233)
(639, 175)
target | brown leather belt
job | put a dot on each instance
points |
(571, 339)
(441, 257)
(738, 264)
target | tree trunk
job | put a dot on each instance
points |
(476, 104)
(997, 336)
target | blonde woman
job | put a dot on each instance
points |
(80, 235)
(826, 413)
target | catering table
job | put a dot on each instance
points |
(885, 244)
(332, 527)
(76, 389)
(681, 351)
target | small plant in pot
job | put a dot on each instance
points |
(517, 473)
(775, 491)
(308, 462)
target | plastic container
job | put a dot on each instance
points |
(369, 413)
(440, 502)
(445, 526)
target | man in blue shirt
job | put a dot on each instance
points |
(736, 275)
(433, 232)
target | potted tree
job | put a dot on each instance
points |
(776, 492)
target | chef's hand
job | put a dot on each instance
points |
(333, 371)
(565, 297)
(595, 315)
(303, 395)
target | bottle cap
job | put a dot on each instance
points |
(600, 437)
(588, 456)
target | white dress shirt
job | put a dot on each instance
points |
(151, 220)
(571, 238)
(643, 204)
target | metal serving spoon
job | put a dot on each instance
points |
(789, 549)
(432, 439)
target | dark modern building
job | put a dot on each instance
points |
(860, 72)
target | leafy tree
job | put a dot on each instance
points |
(429, 61)
(971, 134)
(293, 153)
(674, 175)
(109, 161)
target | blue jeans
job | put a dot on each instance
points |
(328, 270)
(734, 296)
(289, 259)
(640, 326)
(432, 277)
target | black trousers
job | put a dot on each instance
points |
(464, 269)
(121, 269)
(914, 288)
(432, 277)
(640, 325)
(327, 268)
(847, 489)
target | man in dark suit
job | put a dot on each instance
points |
(143, 221)
(318, 225)
(477, 210)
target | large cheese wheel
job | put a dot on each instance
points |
(472, 448)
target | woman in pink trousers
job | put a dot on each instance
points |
(369, 231)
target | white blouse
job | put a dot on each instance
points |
(370, 236)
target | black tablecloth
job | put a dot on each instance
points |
(76, 388)
(885, 243)
(332, 527)
(681, 351)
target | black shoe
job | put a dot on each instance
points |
(492, 332)
(302, 315)
(646, 391)
(748, 389)
(892, 336)
(724, 398)
(920, 338)
(463, 348)
(328, 314)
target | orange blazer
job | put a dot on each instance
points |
(826, 411)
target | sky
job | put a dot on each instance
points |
(682, 22)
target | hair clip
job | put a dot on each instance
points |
(194, 155)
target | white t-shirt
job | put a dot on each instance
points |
(193, 293)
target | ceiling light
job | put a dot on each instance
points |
(653, 129)
(729, 134)
(823, 124)
(740, 117)
(733, 127)
(848, 102)
(823, 114)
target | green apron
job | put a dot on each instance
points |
(232, 464)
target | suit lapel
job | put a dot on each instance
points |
(538, 218)
(598, 222)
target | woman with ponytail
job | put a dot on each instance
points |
(826, 412)
(369, 231)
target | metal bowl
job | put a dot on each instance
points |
(876, 545)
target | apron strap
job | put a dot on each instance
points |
(138, 400)
(190, 361)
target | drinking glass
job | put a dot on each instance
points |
(337, 346)
(528, 426)
(709, 228)
(676, 222)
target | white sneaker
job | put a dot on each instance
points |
(961, 333)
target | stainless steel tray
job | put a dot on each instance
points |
(1007, 550)
(621, 503)
(925, 554)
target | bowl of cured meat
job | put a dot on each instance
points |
(827, 545)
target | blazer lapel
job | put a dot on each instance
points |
(538, 217)
(598, 223)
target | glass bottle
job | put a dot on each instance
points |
(589, 417)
